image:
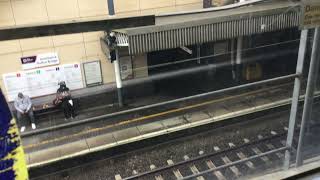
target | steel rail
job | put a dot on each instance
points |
(236, 162)
(162, 143)
(204, 157)
(218, 153)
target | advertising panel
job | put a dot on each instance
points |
(42, 81)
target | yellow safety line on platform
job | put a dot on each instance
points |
(146, 117)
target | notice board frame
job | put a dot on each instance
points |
(85, 74)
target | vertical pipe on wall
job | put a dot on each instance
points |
(111, 7)
(308, 102)
(295, 96)
(117, 71)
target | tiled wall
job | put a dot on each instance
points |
(79, 47)
(32, 12)
(71, 48)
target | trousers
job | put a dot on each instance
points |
(22, 121)
(67, 108)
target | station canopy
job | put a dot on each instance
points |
(183, 29)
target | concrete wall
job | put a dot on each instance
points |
(32, 12)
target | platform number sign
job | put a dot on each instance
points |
(310, 14)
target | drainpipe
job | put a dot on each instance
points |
(111, 7)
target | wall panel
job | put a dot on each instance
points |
(6, 14)
(29, 11)
(62, 9)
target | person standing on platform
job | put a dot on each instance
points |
(65, 101)
(23, 105)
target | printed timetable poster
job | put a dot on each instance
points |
(43, 81)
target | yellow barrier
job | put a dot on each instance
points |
(12, 163)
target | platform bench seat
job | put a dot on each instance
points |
(46, 108)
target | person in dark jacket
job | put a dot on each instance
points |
(64, 100)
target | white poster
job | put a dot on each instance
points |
(40, 60)
(126, 67)
(92, 73)
(44, 81)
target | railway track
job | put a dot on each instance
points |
(231, 162)
(225, 153)
(234, 161)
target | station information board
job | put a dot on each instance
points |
(42, 81)
(92, 73)
(310, 14)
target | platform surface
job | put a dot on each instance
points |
(80, 140)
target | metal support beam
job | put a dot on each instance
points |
(295, 96)
(118, 78)
(74, 27)
(308, 102)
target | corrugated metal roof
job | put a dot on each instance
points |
(213, 26)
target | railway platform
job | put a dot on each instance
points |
(216, 152)
(47, 147)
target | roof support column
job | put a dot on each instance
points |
(232, 42)
(118, 78)
(239, 50)
(198, 53)
(295, 96)
(239, 59)
(308, 102)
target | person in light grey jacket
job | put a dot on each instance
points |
(23, 105)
